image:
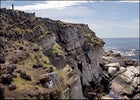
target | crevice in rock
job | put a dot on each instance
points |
(80, 67)
(87, 59)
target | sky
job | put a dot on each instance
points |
(108, 19)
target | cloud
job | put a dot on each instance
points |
(131, 1)
(70, 12)
(50, 5)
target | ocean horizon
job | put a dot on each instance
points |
(127, 47)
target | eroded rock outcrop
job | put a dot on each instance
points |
(45, 47)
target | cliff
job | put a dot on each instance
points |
(44, 58)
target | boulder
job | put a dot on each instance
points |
(112, 70)
(12, 87)
(46, 95)
(116, 55)
(18, 71)
(130, 62)
(122, 69)
(6, 79)
(116, 65)
(11, 68)
(25, 76)
(131, 75)
(108, 53)
(53, 95)
(37, 65)
(50, 80)
(2, 60)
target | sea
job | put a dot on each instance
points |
(127, 47)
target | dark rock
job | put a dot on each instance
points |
(2, 92)
(14, 76)
(37, 82)
(57, 61)
(20, 48)
(43, 80)
(15, 61)
(53, 95)
(50, 69)
(108, 53)
(11, 68)
(36, 49)
(6, 79)
(25, 76)
(18, 71)
(130, 62)
(12, 87)
(37, 65)
(116, 54)
(2, 60)
(31, 95)
(38, 96)
(46, 95)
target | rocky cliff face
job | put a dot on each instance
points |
(49, 59)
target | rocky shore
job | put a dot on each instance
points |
(123, 74)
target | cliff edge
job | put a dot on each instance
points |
(44, 58)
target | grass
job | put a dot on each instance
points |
(19, 31)
(21, 83)
(57, 49)
(38, 57)
(92, 40)
(22, 22)
(28, 31)
(65, 80)
(42, 36)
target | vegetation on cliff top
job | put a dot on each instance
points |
(20, 38)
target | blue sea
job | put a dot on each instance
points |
(127, 47)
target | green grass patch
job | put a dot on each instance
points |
(57, 49)
(92, 40)
(21, 83)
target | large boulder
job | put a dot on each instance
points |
(122, 69)
(115, 65)
(112, 70)
(131, 75)
(50, 80)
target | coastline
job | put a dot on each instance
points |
(127, 47)
(122, 72)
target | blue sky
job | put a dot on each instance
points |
(106, 18)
